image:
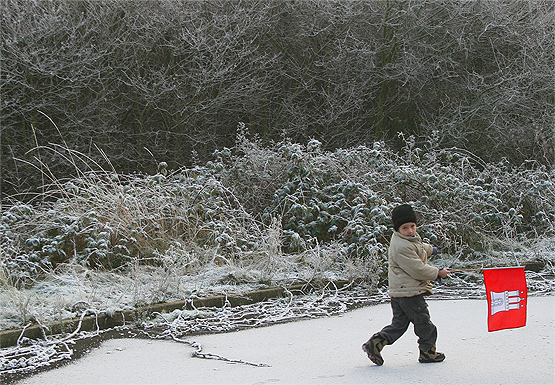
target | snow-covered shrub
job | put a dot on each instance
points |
(109, 221)
(255, 206)
(346, 196)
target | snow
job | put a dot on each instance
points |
(328, 351)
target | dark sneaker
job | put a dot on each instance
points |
(373, 348)
(430, 356)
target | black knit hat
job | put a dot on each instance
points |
(402, 214)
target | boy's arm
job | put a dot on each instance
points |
(430, 250)
(410, 262)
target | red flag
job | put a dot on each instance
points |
(507, 296)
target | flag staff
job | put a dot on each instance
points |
(482, 269)
(459, 270)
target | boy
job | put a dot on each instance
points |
(409, 281)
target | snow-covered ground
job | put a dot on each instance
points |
(327, 351)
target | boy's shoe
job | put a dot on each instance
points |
(373, 347)
(430, 355)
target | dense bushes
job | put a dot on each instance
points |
(171, 79)
(337, 195)
(255, 204)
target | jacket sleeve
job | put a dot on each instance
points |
(408, 260)
(429, 249)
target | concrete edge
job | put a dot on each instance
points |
(10, 337)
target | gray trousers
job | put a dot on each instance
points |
(405, 311)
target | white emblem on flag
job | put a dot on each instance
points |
(505, 301)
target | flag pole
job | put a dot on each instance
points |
(483, 268)
(459, 270)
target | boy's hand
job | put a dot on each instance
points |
(442, 273)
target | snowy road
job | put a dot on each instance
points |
(327, 351)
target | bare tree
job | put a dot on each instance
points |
(150, 81)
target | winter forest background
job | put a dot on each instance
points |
(154, 149)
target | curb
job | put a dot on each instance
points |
(102, 321)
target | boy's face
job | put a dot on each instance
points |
(408, 229)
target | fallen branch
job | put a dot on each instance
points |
(210, 356)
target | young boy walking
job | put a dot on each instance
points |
(409, 282)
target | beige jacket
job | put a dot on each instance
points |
(409, 272)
